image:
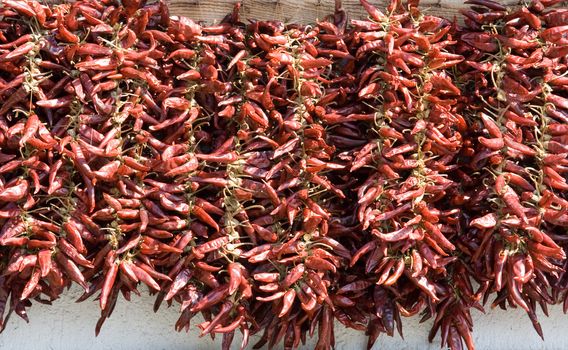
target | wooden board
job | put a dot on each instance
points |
(299, 11)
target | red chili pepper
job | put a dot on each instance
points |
(44, 262)
(212, 298)
(72, 269)
(109, 280)
(31, 285)
(181, 280)
(287, 302)
(204, 217)
(231, 327)
(16, 192)
(320, 264)
(235, 277)
(142, 275)
(212, 245)
(72, 253)
(394, 236)
(74, 236)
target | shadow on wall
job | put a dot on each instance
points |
(68, 325)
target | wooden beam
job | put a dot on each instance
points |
(299, 11)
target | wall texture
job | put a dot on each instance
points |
(67, 325)
(303, 11)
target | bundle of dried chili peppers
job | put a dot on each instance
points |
(277, 177)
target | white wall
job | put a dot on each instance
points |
(69, 325)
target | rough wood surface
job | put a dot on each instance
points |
(299, 11)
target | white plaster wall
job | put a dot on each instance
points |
(67, 325)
